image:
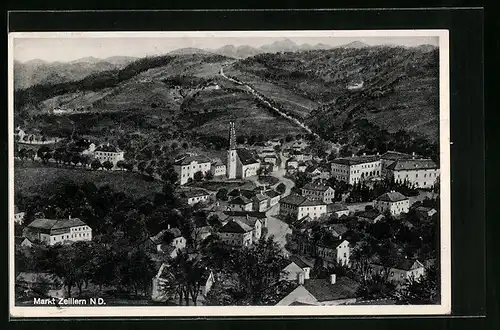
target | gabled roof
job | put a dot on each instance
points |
(412, 164)
(403, 264)
(260, 198)
(356, 160)
(372, 214)
(246, 156)
(313, 202)
(258, 215)
(235, 226)
(189, 159)
(316, 186)
(298, 262)
(394, 155)
(240, 200)
(194, 193)
(336, 207)
(323, 290)
(340, 228)
(392, 196)
(293, 200)
(49, 224)
(272, 193)
(107, 148)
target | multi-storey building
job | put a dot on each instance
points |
(393, 202)
(51, 232)
(421, 173)
(300, 207)
(319, 190)
(110, 153)
(187, 166)
(357, 168)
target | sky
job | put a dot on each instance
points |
(71, 46)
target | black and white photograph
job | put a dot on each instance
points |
(229, 173)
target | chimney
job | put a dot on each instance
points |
(69, 217)
(378, 153)
(168, 226)
(352, 155)
(333, 278)
(300, 278)
(364, 153)
(413, 153)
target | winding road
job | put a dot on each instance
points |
(269, 105)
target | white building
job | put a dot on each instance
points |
(241, 231)
(218, 169)
(107, 152)
(18, 216)
(187, 166)
(421, 173)
(393, 202)
(400, 271)
(241, 163)
(51, 232)
(295, 267)
(338, 252)
(357, 168)
(318, 190)
(301, 207)
(240, 203)
(195, 196)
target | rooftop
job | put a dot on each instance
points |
(323, 290)
(394, 155)
(356, 160)
(260, 198)
(316, 186)
(49, 224)
(240, 200)
(246, 156)
(235, 226)
(293, 200)
(272, 193)
(404, 263)
(107, 148)
(194, 193)
(336, 207)
(412, 164)
(189, 159)
(298, 262)
(392, 196)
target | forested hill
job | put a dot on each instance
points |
(395, 88)
(28, 99)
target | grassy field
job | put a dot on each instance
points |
(35, 179)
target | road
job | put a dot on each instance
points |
(269, 105)
(275, 226)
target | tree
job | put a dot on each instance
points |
(281, 188)
(198, 176)
(96, 164)
(185, 145)
(107, 165)
(222, 194)
(424, 290)
(169, 175)
(209, 175)
(120, 164)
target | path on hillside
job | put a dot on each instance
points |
(275, 226)
(266, 102)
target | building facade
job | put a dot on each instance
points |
(236, 233)
(109, 153)
(420, 173)
(393, 202)
(241, 163)
(51, 232)
(320, 191)
(218, 169)
(187, 166)
(356, 169)
(300, 207)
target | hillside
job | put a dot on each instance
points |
(399, 87)
(36, 72)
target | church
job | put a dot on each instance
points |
(241, 163)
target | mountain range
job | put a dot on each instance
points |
(34, 72)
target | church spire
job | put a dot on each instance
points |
(232, 136)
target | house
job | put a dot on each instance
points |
(300, 145)
(169, 241)
(23, 241)
(400, 270)
(236, 233)
(260, 203)
(273, 143)
(322, 292)
(273, 159)
(107, 152)
(51, 232)
(302, 157)
(259, 215)
(201, 228)
(267, 152)
(425, 212)
(334, 252)
(390, 157)
(252, 222)
(292, 163)
(302, 167)
(187, 166)
(31, 281)
(164, 276)
(241, 163)
(337, 229)
(18, 216)
(393, 202)
(371, 216)
(195, 196)
(300, 207)
(420, 173)
(274, 197)
(218, 169)
(294, 267)
(356, 168)
(338, 210)
(318, 190)
(240, 203)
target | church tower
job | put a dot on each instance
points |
(231, 153)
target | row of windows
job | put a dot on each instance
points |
(55, 238)
(101, 153)
(80, 228)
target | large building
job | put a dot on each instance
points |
(300, 207)
(109, 153)
(400, 271)
(187, 166)
(241, 231)
(51, 232)
(421, 173)
(393, 202)
(357, 168)
(390, 157)
(241, 163)
(319, 190)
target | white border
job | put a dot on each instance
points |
(197, 311)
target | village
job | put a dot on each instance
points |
(322, 230)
